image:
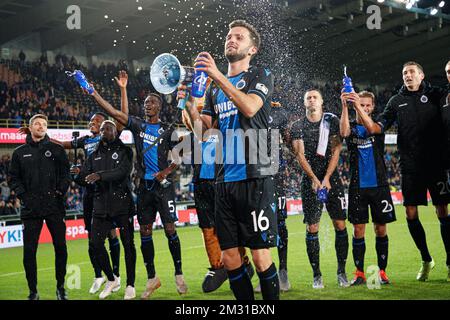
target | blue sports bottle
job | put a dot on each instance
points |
(81, 79)
(347, 81)
(199, 84)
(322, 195)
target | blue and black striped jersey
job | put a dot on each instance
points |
(245, 152)
(367, 167)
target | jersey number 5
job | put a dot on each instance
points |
(171, 206)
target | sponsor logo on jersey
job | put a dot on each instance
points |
(48, 153)
(115, 156)
(424, 99)
(364, 143)
(225, 109)
(148, 138)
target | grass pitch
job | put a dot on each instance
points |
(403, 265)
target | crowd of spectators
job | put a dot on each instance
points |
(46, 88)
(9, 203)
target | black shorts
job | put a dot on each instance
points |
(245, 214)
(378, 199)
(204, 203)
(415, 186)
(312, 207)
(153, 198)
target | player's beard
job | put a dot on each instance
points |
(238, 56)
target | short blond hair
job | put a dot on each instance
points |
(38, 116)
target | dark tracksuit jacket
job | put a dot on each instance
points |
(112, 195)
(37, 171)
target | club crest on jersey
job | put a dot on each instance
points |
(115, 156)
(241, 84)
(48, 153)
(160, 131)
(261, 87)
(270, 119)
(424, 99)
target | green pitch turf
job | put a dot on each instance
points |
(404, 262)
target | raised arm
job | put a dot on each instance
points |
(371, 126)
(118, 115)
(122, 82)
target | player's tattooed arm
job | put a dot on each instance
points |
(299, 150)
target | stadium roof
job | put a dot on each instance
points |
(320, 36)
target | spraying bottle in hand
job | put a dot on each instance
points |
(81, 79)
